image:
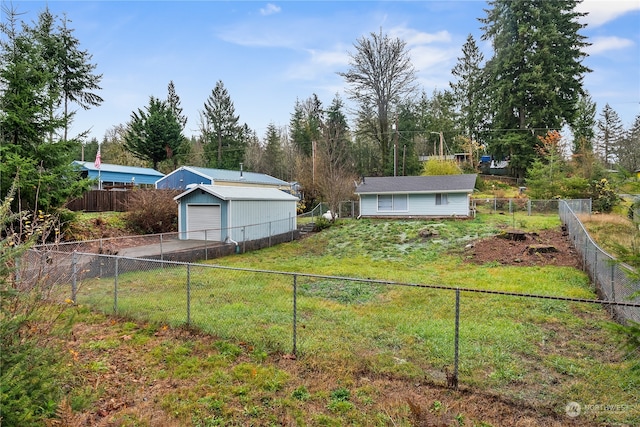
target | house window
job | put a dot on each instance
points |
(441, 199)
(392, 202)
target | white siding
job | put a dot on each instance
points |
(419, 205)
(256, 219)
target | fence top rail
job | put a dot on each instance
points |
(371, 281)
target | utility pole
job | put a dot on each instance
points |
(395, 146)
(441, 144)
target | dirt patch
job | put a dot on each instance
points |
(520, 248)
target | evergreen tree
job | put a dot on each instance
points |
(609, 134)
(467, 91)
(30, 97)
(583, 125)
(535, 75)
(272, 159)
(224, 143)
(78, 80)
(173, 101)
(628, 148)
(380, 76)
(153, 134)
(305, 124)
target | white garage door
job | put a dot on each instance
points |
(201, 218)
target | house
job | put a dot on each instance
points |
(117, 176)
(181, 178)
(416, 196)
(637, 173)
(234, 214)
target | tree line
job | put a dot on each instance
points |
(505, 106)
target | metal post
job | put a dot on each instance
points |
(269, 233)
(495, 204)
(613, 281)
(529, 207)
(206, 247)
(295, 304)
(188, 294)
(456, 345)
(74, 276)
(161, 252)
(115, 289)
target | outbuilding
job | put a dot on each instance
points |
(234, 214)
(416, 196)
(118, 176)
(183, 177)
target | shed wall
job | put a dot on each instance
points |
(256, 219)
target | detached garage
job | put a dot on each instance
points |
(234, 214)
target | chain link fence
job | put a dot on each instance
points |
(523, 205)
(187, 246)
(443, 333)
(611, 278)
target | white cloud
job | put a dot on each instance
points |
(606, 44)
(319, 63)
(416, 38)
(269, 9)
(600, 12)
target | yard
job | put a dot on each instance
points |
(367, 354)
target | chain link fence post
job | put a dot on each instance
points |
(295, 311)
(613, 282)
(454, 382)
(188, 294)
(115, 288)
(74, 276)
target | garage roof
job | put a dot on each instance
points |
(240, 193)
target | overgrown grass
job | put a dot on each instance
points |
(541, 352)
(609, 230)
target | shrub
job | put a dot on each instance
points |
(322, 223)
(153, 211)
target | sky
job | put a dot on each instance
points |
(269, 54)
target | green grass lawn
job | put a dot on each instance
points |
(544, 353)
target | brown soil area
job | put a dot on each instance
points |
(504, 250)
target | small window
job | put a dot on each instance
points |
(441, 199)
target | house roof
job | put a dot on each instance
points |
(107, 167)
(240, 193)
(417, 184)
(236, 176)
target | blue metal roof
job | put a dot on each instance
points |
(238, 176)
(120, 174)
(186, 175)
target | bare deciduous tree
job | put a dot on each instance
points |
(380, 76)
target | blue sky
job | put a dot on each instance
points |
(268, 54)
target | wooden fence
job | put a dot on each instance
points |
(101, 201)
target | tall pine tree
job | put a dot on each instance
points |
(154, 134)
(224, 143)
(467, 91)
(535, 75)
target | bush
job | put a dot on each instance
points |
(322, 223)
(153, 211)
